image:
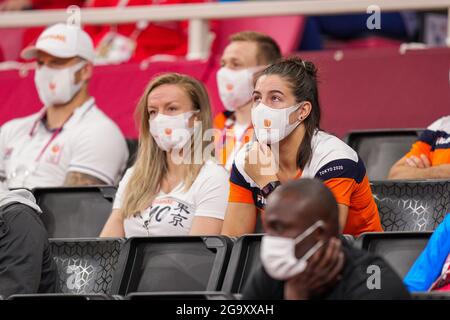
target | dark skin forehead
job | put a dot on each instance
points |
(287, 215)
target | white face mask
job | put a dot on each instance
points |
(171, 132)
(272, 125)
(57, 86)
(278, 254)
(235, 87)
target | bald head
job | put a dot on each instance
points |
(297, 205)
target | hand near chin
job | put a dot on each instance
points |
(321, 274)
(260, 164)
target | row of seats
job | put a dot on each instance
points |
(188, 267)
(404, 206)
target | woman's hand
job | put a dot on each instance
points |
(260, 164)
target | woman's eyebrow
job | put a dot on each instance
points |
(276, 91)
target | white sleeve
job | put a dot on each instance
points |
(212, 193)
(436, 125)
(101, 152)
(118, 200)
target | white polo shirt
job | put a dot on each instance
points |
(31, 155)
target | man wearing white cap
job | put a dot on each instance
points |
(70, 141)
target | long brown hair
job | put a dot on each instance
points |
(302, 78)
(151, 163)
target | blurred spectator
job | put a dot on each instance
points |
(30, 34)
(16, 5)
(431, 271)
(169, 190)
(247, 53)
(303, 258)
(140, 40)
(323, 32)
(26, 264)
(70, 141)
(429, 157)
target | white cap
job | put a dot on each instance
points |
(63, 41)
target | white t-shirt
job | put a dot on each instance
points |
(31, 155)
(173, 213)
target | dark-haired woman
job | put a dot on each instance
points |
(290, 145)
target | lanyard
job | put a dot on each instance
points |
(53, 137)
(55, 133)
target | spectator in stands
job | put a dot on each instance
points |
(30, 34)
(431, 271)
(26, 264)
(70, 141)
(429, 157)
(303, 258)
(247, 53)
(17, 5)
(140, 40)
(290, 145)
(165, 192)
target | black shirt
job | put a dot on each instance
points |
(352, 286)
(26, 263)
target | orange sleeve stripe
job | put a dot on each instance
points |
(342, 189)
(440, 156)
(418, 148)
(240, 194)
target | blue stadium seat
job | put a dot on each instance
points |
(162, 264)
(78, 212)
(411, 205)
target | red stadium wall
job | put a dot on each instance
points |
(359, 89)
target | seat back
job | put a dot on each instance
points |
(380, 149)
(86, 266)
(62, 297)
(431, 295)
(411, 205)
(399, 249)
(79, 212)
(193, 295)
(161, 264)
(132, 145)
(243, 261)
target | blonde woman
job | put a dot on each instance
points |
(161, 195)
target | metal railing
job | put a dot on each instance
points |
(199, 14)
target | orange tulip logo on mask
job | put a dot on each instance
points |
(230, 87)
(267, 123)
(168, 131)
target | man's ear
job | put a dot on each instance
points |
(85, 73)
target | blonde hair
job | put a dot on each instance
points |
(151, 163)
